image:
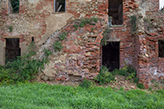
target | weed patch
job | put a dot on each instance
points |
(83, 22)
(104, 76)
(62, 36)
(85, 84)
(57, 46)
(23, 68)
(105, 36)
(133, 20)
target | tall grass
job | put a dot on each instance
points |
(43, 96)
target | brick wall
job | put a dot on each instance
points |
(37, 19)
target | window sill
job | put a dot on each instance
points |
(117, 25)
(13, 14)
(58, 12)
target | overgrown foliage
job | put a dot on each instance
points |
(85, 21)
(15, 5)
(58, 43)
(10, 28)
(62, 36)
(23, 68)
(85, 84)
(104, 76)
(57, 46)
(105, 36)
(128, 71)
(133, 20)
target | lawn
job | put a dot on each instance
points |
(43, 96)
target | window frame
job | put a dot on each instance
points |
(162, 40)
(55, 6)
(110, 17)
(9, 5)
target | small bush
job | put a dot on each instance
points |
(47, 52)
(85, 84)
(128, 71)
(86, 21)
(62, 36)
(161, 91)
(75, 26)
(10, 28)
(82, 24)
(105, 36)
(121, 71)
(23, 68)
(94, 19)
(136, 80)
(57, 46)
(140, 85)
(104, 76)
(133, 20)
(132, 70)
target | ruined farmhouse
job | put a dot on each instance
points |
(133, 31)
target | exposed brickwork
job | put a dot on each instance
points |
(82, 53)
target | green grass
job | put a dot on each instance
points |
(43, 96)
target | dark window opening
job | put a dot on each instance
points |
(13, 6)
(59, 5)
(12, 49)
(161, 48)
(32, 39)
(116, 12)
(111, 55)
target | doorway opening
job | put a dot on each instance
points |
(111, 55)
(116, 11)
(12, 49)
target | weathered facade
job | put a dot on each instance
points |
(82, 55)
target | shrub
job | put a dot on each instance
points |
(105, 36)
(132, 70)
(104, 76)
(161, 91)
(85, 84)
(75, 26)
(86, 21)
(10, 28)
(94, 19)
(62, 36)
(133, 20)
(57, 46)
(121, 71)
(82, 24)
(128, 71)
(22, 69)
(47, 52)
(136, 80)
(140, 85)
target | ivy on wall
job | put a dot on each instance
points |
(15, 5)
